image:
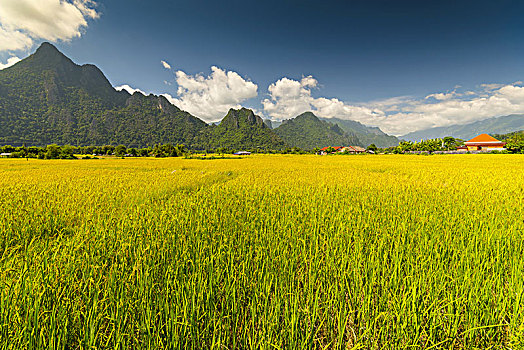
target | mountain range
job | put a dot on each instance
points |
(366, 134)
(46, 98)
(498, 125)
(306, 130)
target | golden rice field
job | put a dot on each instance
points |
(264, 252)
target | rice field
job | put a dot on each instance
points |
(264, 252)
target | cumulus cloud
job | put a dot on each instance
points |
(165, 64)
(10, 61)
(399, 115)
(210, 97)
(11, 40)
(23, 21)
(289, 98)
(129, 89)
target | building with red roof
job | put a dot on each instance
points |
(347, 149)
(484, 142)
(336, 148)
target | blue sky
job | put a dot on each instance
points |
(401, 65)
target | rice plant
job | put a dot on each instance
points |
(269, 252)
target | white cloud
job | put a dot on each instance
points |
(491, 87)
(399, 115)
(441, 96)
(129, 89)
(289, 98)
(23, 21)
(12, 40)
(10, 61)
(210, 97)
(165, 64)
(461, 109)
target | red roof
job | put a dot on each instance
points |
(491, 144)
(483, 138)
(336, 148)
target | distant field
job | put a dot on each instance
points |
(283, 252)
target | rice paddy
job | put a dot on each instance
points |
(264, 252)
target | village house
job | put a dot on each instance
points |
(336, 148)
(342, 149)
(485, 143)
(323, 150)
(355, 149)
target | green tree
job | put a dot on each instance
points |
(515, 144)
(405, 146)
(67, 152)
(120, 150)
(52, 152)
(372, 148)
(132, 151)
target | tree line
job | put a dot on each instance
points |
(73, 152)
(514, 144)
(54, 151)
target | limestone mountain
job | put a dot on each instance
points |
(241, 128)
(308, 132)
(47, 98)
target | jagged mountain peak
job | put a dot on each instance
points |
(243, 129)
(236, 118)
(308, 131)
(304, 117)
(58, 74)
(47, 56)
(47, 98)
(307, 115)
(47, 49)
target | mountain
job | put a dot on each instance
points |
(47, 98)
(498, 125)
(148, 120)
(366, 134)
(307, 131)
(242, 129)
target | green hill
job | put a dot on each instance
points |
(307, 131)
(242, 129)
(46, 98)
